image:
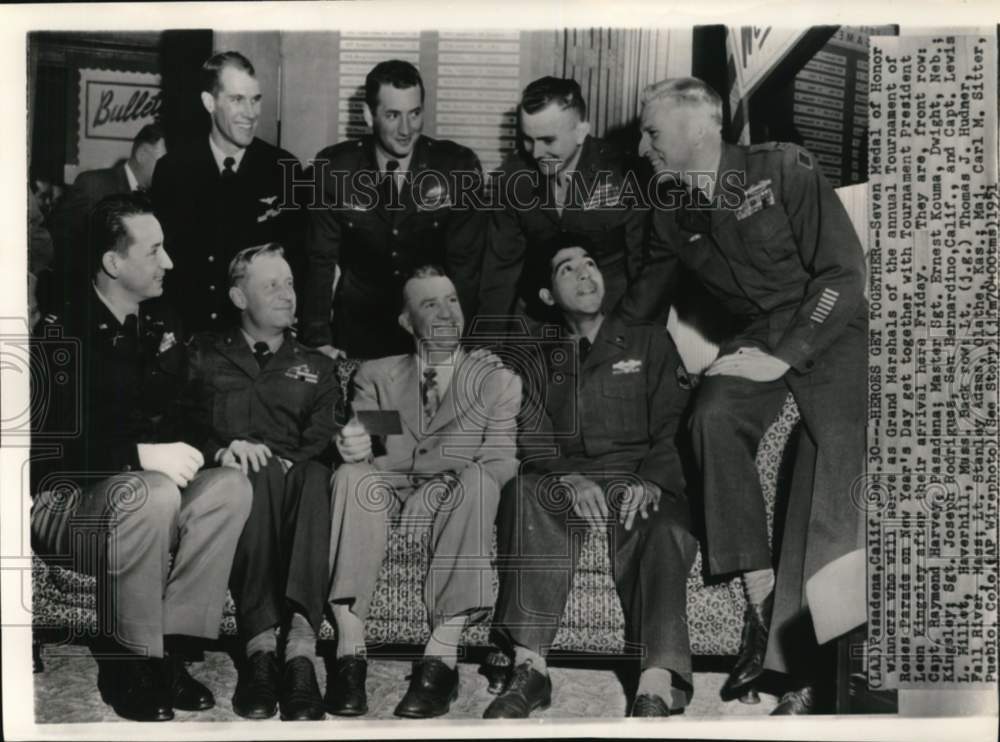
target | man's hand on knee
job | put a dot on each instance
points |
(179, 461)
(588, 500)
(353, 442)
(638, 498)
(749, 363)
(244, 455)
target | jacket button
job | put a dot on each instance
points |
(350, 223)
(212, 287)
(214, 315)
(421, 450)
(211, 258)
(395, 232)
(435, 224)
(395, 254)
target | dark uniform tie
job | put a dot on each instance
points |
(227, 168)
(429, 393)
(262, 353)
(390, 194)
(585, 346)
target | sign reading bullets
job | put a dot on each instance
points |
(932, 488)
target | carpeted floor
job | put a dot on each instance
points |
(66, 691)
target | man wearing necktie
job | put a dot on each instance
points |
(115, 491)
(564, 180)
(599, 444)
(222, 193)
(440, 477)
(393, 200)
(258, 400)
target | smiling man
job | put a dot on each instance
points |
(124, 499)
(221, 193)
(561, 180)
(615, 468)
(440, 475)
(394, 201)
(258, 401)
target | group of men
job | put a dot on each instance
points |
(204, 451)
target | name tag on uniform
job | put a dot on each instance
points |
(630, 366)
(756, 198)
(303, 373)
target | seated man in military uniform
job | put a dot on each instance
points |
(617, 469)
(115, 492)
(259, 400)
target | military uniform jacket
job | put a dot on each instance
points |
(207, 220)
(617, 411)
(529, 219)
(98, 391)
(783, 255)
(376, 246)
(288, 405)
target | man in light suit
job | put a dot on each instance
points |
(444, 470)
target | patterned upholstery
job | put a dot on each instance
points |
(592, 622)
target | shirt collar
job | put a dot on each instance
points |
(220, 156)
(116, 312)
(133, 182)
(273, 345)
(381, 158)
(563, 177)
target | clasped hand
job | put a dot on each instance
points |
(749, 363)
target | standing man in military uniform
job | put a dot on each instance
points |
(259, 400)
(770, 239)
(614, 424)
(564, 181)
(392, 201)
(224, 192)
(115, 491)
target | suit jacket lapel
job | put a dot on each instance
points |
(405, 389)
(234, 346)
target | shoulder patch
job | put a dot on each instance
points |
(804, 159)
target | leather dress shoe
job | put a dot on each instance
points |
(750, 660)
(345, 686)
(186, 693)
(300, 699)
(256, 695)
(433, 686)
(141, 693)
(801, 701)
(528, 690)
(652, 705)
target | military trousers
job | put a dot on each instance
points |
(281, 564)
(539, 539)
(823, 518)
(123, 530)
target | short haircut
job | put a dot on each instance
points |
(393, 72)
(149, 134)
(211, 71)
(541, 264)
(428, 270)
(240, 265)
(107, 230)
(685, 90)
(561, 91)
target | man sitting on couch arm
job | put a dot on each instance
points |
(617, 468)
(442, 472)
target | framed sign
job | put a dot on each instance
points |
(114, 106)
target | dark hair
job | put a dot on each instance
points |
(393, 72)
(107, 230)
(149, 134)
(545, 91)
(212, 69)
(239, 265)
(540, 265)
(427, 270)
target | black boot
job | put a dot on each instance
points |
(750, 660)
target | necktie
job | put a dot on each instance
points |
(429, 393)
(262, 353)
(227, 168)
(390, 192)
(585, 346)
